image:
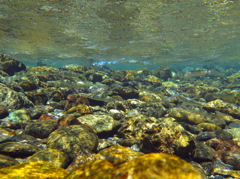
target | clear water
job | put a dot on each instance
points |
(122, 34)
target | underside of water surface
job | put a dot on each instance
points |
(121, 33)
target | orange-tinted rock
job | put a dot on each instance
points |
(148, 166)
(68, 120)
(74, 100)
(33, 170)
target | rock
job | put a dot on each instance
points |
(116, 114)
(168, 137)
(38, 97)
(33, 170)
(12, 99)
(219, 134)
(209, 126)
(124, 75)
(3, 111)
(80, 108)
(118, 105)
(134, 127)
(153, 109)
(6, 161)
(152, 80)
(73, 139)
(67, 121)
(28, 85)
(203, 152)
(5, 135)
(52, 157)
(118, 154)
(148, 166)
(227, 172)
(183, 115)
(234, 131)
(19, 115)
(163, 72)
(41, 128)
(24, 138)
(219, 105)
(17, 149)
(126, 92)
(104, 124)
(232, 157)
(74, 100)
(9, 65)
(81, 158)
(234, 125)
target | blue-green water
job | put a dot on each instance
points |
(122, 34)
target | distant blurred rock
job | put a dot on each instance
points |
(9, 65)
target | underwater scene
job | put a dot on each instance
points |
(119, 89)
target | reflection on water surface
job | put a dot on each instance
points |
(133, 31)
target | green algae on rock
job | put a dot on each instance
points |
(12, 99)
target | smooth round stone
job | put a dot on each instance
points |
(41, 128)
(234, 125)
(232, 157)
(16, 149)
(102, 123)
(73, 139)
(234, 131)
(53, 157)
(203, 152)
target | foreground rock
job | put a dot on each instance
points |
(33, 170)
(148, 166)
(73, 139)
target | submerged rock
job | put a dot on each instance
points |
(104, 124)
(148, 166)
(168, 137)
(219, 105)
(33, 170)
(73, 139)
(12, 99)
(51, 157)
(41, 128)
(118, 154)
(17, 149)
(6, 161)
(10, 65)
(3, 111)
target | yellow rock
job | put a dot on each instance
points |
(148, 166)
(32, 170)
(81, 108)
(209, 126)
(118, 154)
